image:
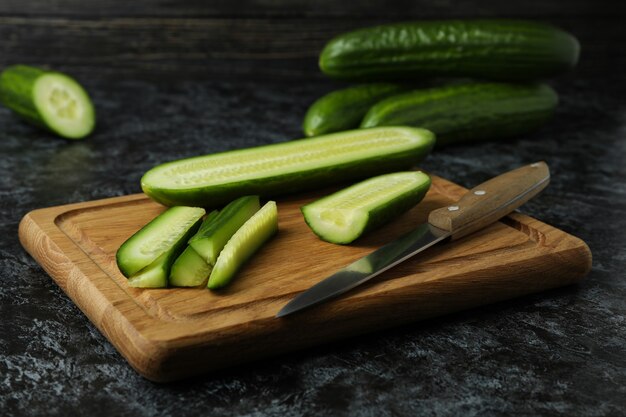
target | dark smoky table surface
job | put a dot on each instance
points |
(171, 79)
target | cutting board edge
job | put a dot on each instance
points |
(105, 312)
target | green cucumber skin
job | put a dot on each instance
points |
(344, 109)
(224, 225)
(125, 262)
(215, 195)
(493, 49)
(466, 112)
(189, 260)
(173, 254)
(380, 215)
(17, 93)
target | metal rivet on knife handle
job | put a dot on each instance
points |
(492, 200)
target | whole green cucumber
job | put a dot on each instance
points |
(492, 49)
(344, 109)
(467, 112)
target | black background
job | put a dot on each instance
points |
(173, 79)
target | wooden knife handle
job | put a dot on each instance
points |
(491, 200)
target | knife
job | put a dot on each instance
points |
(478, 208)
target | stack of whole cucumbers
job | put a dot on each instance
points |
(495, 66)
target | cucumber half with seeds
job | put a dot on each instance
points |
(349, 213)
(207, 181)
(164, 235)
(216, 231)
(244, 243)
(50, 100)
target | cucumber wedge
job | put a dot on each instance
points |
(467, 112)
(207, 181)
(244, 243)
(156, 274)
(344, 109)
(161, 236)
(349, 213)
(494, 49)
(50, 100)
(189, 269)
(217, 230)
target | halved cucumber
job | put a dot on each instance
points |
(47, 99)
(347, 214)
(158, 237)
(210, 180)
(244, 243)
(217, 230)
(189, 269)
(344, 109)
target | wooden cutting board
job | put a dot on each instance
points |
(167, 334)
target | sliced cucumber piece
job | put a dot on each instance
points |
(158, 237)
(47, 99)
(216, 231)
(349, 213)
(244, 243)
(189, 269)
(154, 275)
(207, 181)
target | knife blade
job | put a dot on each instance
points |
(478, 208)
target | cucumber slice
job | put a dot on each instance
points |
(244, 243)
(158, 237)
(216, 231)
(154, 275)
(207, 181)
(347, 214)
(47, 99)
(189, 269)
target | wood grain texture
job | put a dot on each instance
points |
(169, 334)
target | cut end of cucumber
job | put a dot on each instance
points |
(340, 226)
(64, 105)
